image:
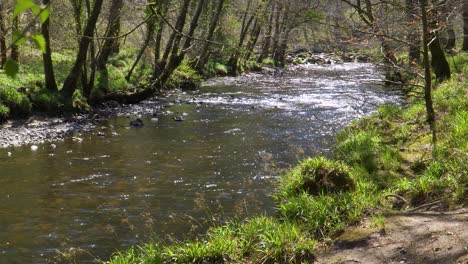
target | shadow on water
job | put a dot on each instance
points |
(120, 186)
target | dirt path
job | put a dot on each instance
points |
(419, 237)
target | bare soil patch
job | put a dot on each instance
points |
(416, 237)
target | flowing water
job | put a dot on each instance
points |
(122, 186)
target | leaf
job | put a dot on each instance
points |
(11, 68)
(36, 10)
(40, 42)
(18, 38)
(44, 15)
(23, 5)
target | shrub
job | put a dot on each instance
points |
(4, 112)
(46, 101)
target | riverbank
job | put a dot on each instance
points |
(382, 163)
(33, 117)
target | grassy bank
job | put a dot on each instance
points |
(382, 162)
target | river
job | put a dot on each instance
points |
(116, 186)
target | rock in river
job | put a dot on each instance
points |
(136, 123)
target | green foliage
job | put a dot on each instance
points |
(46, 101)
(11, 68)
(17, 102)
(268, 62)
(459, 63)
(4, 112)
(184, 77)
(42, 12)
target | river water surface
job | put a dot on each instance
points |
(122, 186)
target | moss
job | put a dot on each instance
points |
(184, 77)
(221, 69)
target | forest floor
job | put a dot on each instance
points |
(412, 237)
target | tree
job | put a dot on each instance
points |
(49, 74)
(465, 25)
(111, 44)
(414, 37)
(14, 52)
(366, 13)
(150, 28)
(204, 52)
(3, 32)
(439, 61)
(427, 70)
(71, 82)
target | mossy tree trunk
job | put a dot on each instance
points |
(427, 71)
(204, 53)
(268, 36)
(173, 42)
(49, 74)
(111, 43)
(246, 22)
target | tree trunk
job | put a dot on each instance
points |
(14, 53)
(149, 35)
(257, 28)
(427, 72)
(414, 54)
(49, 74)
(268, 37)
(465, 25)
(451, 39)
(439, 61)
(176, 55)
(77, 7)
(157, 50)
(204, 53)
(174, 60)
(174, 39)
(71, 81)
(111, 43)
(3, 47)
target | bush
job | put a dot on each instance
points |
(46, 101)
(17, 102)
(4, 112)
